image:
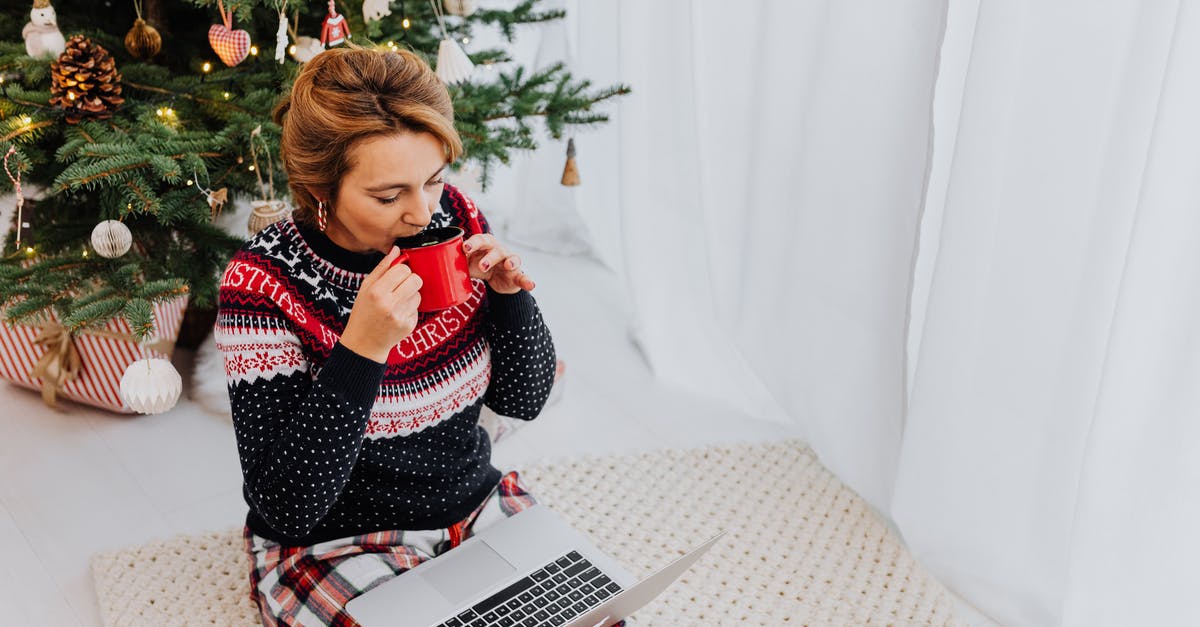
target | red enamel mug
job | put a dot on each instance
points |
(436, 255)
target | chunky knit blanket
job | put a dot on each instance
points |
(802, 548)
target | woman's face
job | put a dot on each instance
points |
(391, 190)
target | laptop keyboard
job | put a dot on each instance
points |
(551, 595)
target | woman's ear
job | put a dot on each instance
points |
(320, 194)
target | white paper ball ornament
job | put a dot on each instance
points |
(151, 386)
(111, 239)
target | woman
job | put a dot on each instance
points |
(356, 416)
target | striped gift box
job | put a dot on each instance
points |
(104, 358)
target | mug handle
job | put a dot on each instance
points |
(403, 258)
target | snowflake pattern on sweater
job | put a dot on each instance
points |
(333, 444)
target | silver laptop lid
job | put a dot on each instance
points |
(625, 603)
(494, 557)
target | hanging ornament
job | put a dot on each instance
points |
(375, 10)
(142, 41)
(334, 30)
(17, 191)
(42, 37)
(304, 48)
(453, 65)
(216, 201)
(570, 175)
(461, 8)
(84, 81)
(264, 213)
(111, 239)
(267, 210)
(281, 38)
(151, 386)
(232, 46)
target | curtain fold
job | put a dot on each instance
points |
(769, 206)
(1046, 450)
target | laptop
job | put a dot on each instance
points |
(530, 569)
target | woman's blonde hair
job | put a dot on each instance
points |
(344, 95)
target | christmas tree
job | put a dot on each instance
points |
(139, 119)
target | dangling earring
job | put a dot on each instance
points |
(322, 215)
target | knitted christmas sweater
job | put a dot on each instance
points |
(333, 444)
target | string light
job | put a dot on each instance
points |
(251, 168)
(466, 40)
(227, 95)
(26, 120)
(30, 251)
(292, 49)
(254, 50)
(406, 23)
(70, 95)
(85, 252)
(190, 183)
(207, 67)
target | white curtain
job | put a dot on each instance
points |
(773, 166)
(1050, 465)
(784, 189)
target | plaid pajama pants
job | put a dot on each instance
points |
(311, 585)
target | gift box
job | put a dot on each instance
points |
(85, 366)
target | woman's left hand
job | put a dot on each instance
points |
(490, 261)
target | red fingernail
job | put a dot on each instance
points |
(467, 247)
(483, 265)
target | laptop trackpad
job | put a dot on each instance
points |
(462, 573)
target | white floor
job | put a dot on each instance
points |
(79, 481)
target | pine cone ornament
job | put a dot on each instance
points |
(85, 81)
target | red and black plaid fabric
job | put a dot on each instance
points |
(311, 585)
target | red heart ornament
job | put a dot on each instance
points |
(231, 45)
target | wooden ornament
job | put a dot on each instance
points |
(217, 200)
(570, 175)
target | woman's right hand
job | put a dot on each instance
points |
(385, 310)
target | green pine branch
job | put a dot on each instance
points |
(184, 129)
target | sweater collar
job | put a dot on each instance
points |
(337, 256)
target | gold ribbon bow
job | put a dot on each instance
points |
(61, 363)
